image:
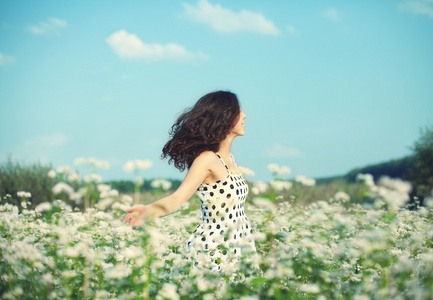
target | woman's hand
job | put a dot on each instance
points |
(136, 215)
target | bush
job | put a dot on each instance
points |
(33, 178)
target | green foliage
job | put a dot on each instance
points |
(33, 178)
(123, 186)
(397, 168)
(422, 173)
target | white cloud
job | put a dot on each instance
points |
(128, 46)
(225, 20)
(6, 59)
(332, 15)
(53, 26)
(278, 150)
(421, 7)
(40, 147)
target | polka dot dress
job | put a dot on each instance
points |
(225, 231)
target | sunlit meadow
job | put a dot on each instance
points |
(336, 247)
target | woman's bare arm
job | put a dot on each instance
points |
(199, 170)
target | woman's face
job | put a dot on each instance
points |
(239, 128)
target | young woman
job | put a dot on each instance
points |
(200, 142)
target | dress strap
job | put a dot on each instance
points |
(221, 159)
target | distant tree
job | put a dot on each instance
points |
(421, 174)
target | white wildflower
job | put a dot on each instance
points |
(341, 196)
(102, 164)
(63, 169)
(126, 199)
(76, 196)
(310, 288)
(69, 274)
(103, 187)
(25, 250)
(163, 183)
(246, 171)
(273, 168)
(259, 187)
(168, 291)
(62, 187)
(102, 295)
(52, 174)
(203, 284)
(255, 297)
(259, 236)
(398, 185)
(263, 203)
(209, 297)
(43, 206)
(103, 215)
(280, 185)
(80, 161)
(305, 180)
(110, 193)
(271, 227)
(48, 278)
(74, 177)
(92, 178)
(393, 192)
(24, 194)
(428, 201)
(103, 204)
(17, 291)
(119, 271)
(361, 297)
(131, 165)
(24, 204)
(366, 178)
(277, 170)
(132, 252)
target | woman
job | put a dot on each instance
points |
(200, 141)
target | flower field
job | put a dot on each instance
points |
(331, 249)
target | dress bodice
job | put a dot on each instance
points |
(224, 199)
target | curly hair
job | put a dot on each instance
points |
(201, 128)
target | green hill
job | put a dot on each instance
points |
(397, 168)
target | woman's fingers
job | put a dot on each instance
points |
(127, 218)
(135, 216)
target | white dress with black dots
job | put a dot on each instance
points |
(225, 231)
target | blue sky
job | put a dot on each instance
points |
(326, 85)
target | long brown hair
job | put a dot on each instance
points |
(202, 127)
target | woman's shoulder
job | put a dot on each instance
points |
(206, 157)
